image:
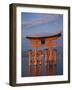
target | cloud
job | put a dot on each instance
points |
(39, 21)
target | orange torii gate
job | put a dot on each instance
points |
(43, 41)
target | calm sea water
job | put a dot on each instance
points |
(42, 70)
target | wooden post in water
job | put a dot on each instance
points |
(50, 55)
(46, 56)
(54, 60)
(35, 56)
(55, 55)
(30, 56)
(40, 57)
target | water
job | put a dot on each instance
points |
(42, 70)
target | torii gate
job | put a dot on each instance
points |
(41, 41)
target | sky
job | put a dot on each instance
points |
(36, 24)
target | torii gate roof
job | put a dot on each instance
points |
(40, 38)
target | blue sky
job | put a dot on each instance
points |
(37, 23)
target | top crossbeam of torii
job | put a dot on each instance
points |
(43, 39)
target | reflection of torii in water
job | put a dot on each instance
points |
(37, 41)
